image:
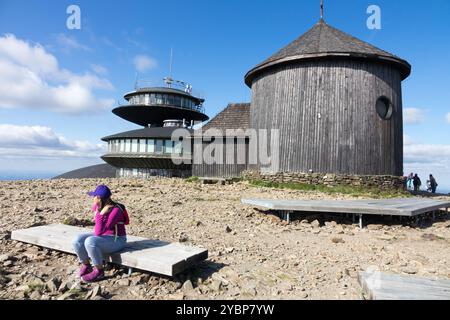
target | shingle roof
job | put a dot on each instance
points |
(235, 116)
(325, 41)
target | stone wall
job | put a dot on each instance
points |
(331, 180)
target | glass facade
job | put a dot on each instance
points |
(149, 173)
(134, 145)
(165, 100)
(147, 146)
(150, 146)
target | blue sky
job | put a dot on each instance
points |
(215, 43)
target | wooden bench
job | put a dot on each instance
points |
(148, 255)
(410, 207)
(382, 286)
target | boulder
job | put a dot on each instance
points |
(6, 257)
(187, 286)
(315, 224)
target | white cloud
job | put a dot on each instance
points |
(42, 142)
(448, 117)
(413, 116)
(30, 77)
(99, 69)
(426, 159)
(427, 153)
(69, 43)
(144, 63)
(407, 140)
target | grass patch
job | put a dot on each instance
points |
(354, 191)
(39, 287)
(193, 179)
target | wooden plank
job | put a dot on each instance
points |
(395, 207)
(140, 253)
(381, 286)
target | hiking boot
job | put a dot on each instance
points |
(85, 269)
(94, 276)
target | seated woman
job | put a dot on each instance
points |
(109, 235)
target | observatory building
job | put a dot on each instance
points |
(150, 151)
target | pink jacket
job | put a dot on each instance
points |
(110, 223)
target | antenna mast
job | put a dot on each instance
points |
(136, 81)
(169, 79)
(171, 62)
(321, 9)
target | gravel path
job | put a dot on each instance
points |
(253, 255)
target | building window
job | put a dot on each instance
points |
(142, 146)
(168, 146)
(159, 146)
(134, 146)
(177, 101)
(159, 99)
(127, 145)
(151, 146)
(171, 99)
(384, 107)
(152, 98)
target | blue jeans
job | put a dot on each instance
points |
(89, 246)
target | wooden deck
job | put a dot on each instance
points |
(409, 207)
(154, 256)
(381, 286)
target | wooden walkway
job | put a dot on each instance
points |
(409, 207)
(154, 256)
(381, 286)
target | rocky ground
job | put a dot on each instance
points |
(252, 255)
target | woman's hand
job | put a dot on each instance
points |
(106, 210)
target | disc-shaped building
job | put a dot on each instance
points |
(150, 151)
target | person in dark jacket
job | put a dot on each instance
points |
(433, 184)
(417, 183)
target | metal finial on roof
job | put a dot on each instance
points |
(321, 9)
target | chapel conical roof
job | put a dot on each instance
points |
(324, 41)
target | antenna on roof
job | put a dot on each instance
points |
(136, 81)
(321, 9)
(171, 62)
(169, 80)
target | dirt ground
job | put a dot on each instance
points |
(252, 254)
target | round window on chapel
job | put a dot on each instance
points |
(384, 107)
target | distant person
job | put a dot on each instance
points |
(417, 183)
(429, 186)
(109, 235)
(433, 184)
(409, 181)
